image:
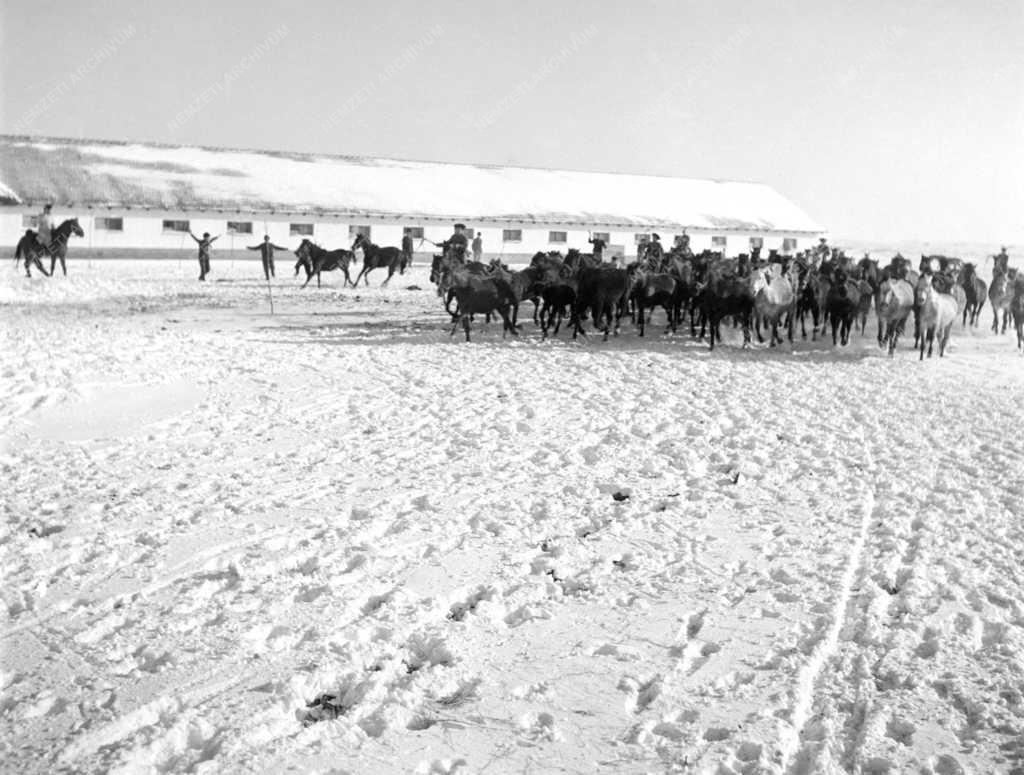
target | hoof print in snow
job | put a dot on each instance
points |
(620, 496)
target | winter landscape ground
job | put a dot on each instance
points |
(334, 540)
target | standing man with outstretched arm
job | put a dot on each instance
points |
(204, 251)
(599, 246)
(266, 249)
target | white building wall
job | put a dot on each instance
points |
(143, 229)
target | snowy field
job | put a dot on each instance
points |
(334, 540)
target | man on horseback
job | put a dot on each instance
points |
(655, 253)
(683, 243)
(44, 229)
(1002, 261)
(599, 246)
(266, 253)
(457, 245)
(822, 252)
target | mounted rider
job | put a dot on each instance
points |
(655, 253)
(44, 228)
(683, 244)
(1002, 261)
(822, 253)
(599, 246)
(457, 245)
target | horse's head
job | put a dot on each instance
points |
(75, 228)
(302, 253)
(360, 241)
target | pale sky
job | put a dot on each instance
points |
(883, 120)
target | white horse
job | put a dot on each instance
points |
(775, 296)
(938, 311)
(893, 306)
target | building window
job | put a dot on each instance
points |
(718, 242)
(602, 235)
(788, 244)
(756, 243)
(558, 236)
(109, 224)
(638, 238)
(176, 226)
(239, 227)
(416, 232)
(355, 231)
(300, 229)
(512, 235)
(29, 221)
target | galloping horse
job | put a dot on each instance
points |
(976, 291)
(29, 248)
(314, 259)
(1000, 295)
(376, 257)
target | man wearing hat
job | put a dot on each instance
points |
(821, 252)
(204, 252)
(1002, 261)
(458, 244)
(266, 253)
(655, 252)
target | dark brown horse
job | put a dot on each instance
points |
(315, 259)
(376, 257)
(29, 247)
(976, 291)
(1017, 309)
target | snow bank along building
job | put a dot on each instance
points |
(133, 198)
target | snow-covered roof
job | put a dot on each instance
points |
(96, 173)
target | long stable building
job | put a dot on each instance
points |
(146, 196)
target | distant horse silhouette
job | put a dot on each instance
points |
(29, 248)
(315, 259)
(376, 257)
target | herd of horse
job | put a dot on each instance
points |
(776, 292)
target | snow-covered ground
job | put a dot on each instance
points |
(507, 556)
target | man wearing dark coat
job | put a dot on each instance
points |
(266, 250)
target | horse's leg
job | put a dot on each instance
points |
(640, 316)
(465, 325)
(510, 325)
